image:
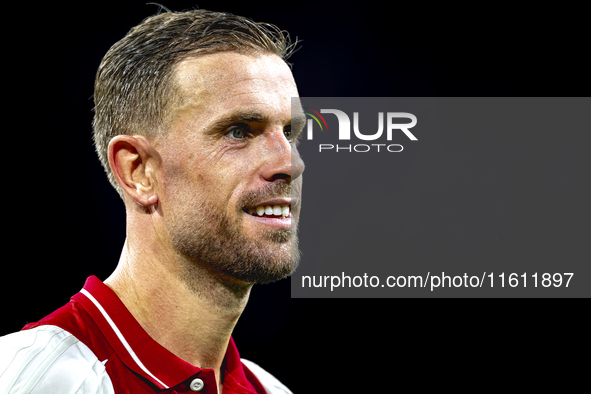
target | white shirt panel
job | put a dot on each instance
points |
(48, 359)
(269, 382)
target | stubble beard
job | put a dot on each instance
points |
(211, 241)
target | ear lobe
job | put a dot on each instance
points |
(132, 159)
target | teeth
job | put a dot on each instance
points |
(271, 210)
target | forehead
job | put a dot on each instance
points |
(226, 80)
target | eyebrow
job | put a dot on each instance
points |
(226, 120)
(252, 116)
(241, 116)
(298, 120)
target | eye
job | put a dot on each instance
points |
(293, 136)
(287, 132)
(238, 131)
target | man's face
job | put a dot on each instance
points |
(229, 154)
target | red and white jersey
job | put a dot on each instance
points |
(93, 345)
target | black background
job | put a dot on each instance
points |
(65, 222)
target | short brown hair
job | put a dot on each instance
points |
(133, 85)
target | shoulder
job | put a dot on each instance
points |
(269, 382)
(48, 359)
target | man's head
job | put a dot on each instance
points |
(193, 120)
(134, 89)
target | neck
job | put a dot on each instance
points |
(200, 310)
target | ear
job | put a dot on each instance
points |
(133, 161)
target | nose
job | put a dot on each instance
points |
(284, 160)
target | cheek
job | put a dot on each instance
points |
(180, 180)
(215, 184)
(230, 182)
(215, 175)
